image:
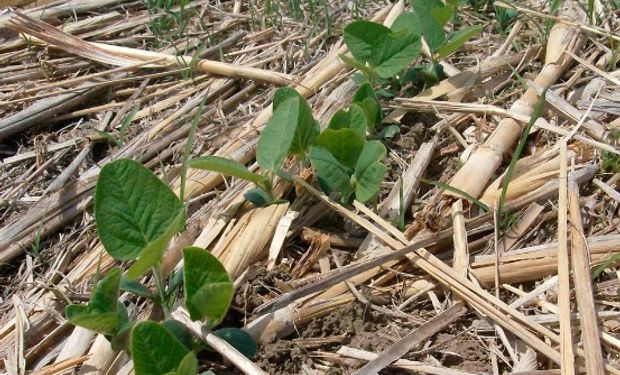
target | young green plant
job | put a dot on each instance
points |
(383, 53)
(344, 162)
(136, 215)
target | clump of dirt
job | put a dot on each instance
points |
(260, 283)
(355, 319)
(415, 130)
(281, 357)
(462, 353)
(358, 325)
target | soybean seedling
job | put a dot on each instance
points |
(136, 215)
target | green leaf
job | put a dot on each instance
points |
(121, 339)
(189, 365)
(344, 144)
(307, 127)
(407, 21)
(155, 351)
(396, 51)
(208, 288)
(369, 171)
(362, 36)
(340, 120)
(258, 197)
(354, 119)
(365, 91)
(432, 29)
(174, 282)
(228, 167)
(276, 139)
(240, 339)
(79, 315)
(134, 210)
(331, 171)
(101, 314)
(366, 98)
(389, 131)
(443, 14)
(306, 133)
(154, 251)
(369, 72)
(135, 288)
(179, 331)
(457, 39)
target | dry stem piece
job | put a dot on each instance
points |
(479, 168)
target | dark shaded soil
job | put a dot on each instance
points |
(465, 354)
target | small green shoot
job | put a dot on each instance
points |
(540, 106)
(188, 147)
(119, 140)
(382, 54)
(454, 190)
(610, 261)
(610, 162)
(36, 245)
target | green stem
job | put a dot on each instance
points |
(161, 291)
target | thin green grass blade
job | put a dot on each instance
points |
(460, 192)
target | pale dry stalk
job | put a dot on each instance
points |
(473, 177)
(566, 337)
(590, 333)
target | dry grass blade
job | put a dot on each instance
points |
(583, 286)
(113, 55)
(401, 363)
(566, 335)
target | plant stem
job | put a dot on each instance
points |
(161, 291)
